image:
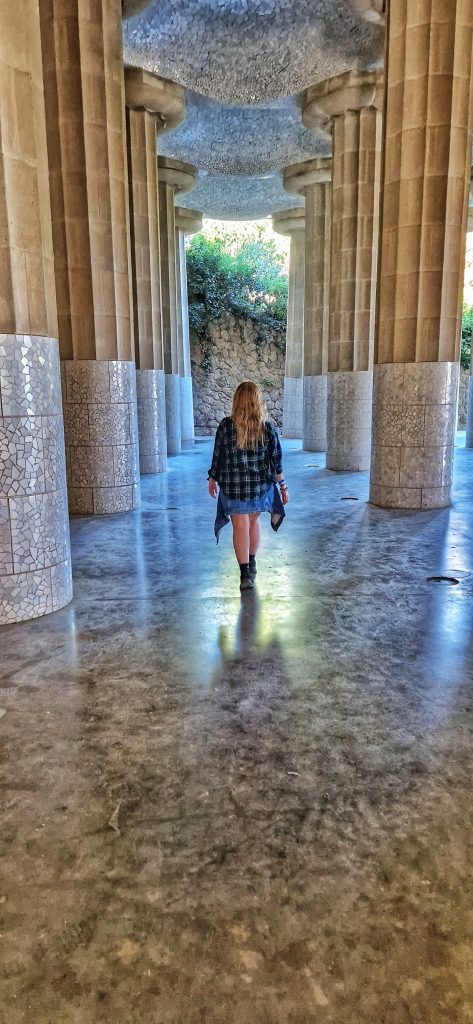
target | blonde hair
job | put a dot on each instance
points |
(249, 415)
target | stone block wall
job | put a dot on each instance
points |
(235, 356)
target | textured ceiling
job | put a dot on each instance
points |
(243, 64)
(247, 51)
(225, 197)
(243, 140)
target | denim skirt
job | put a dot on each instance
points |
(235, 507)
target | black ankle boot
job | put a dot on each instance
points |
(246, 583)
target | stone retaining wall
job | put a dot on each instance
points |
(235, 356)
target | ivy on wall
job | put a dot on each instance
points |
(239, 277)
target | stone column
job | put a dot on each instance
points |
(352, 103)
(188, 222)
(426, 171)
(85, 115)
(174, 178)
(311, 179)
(292, 223)
(151, 102)
(35, 564)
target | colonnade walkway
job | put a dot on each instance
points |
(244, 811)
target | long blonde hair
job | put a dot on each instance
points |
(249, 415)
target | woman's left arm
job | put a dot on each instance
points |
(276, 455)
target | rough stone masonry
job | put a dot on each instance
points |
(235, 356)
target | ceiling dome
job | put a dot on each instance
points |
(251, 51)
(225, 197)
(243, 140)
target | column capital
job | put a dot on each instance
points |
(354, 90)
(182, 177)
(164, 99)
(285, 222)
(188, 221)
(297, 177)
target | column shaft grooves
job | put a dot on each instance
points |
(427, 142)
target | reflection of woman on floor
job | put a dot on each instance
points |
(247, 465)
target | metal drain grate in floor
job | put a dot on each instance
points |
(447, 581)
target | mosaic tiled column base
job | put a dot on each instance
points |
(173, 412)
(151, 401)
(414, 418)
(349, 396)
(314, 437)
(35, 560)
(469, 417)
(187, 411)
(101, 431)
(292, 407)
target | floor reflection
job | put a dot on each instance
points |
(251, 650)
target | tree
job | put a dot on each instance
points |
(231, 274)
(467, 331)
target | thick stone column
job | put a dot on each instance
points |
(426, 170)
(151, 102)
(174, 178)
(35, 563)
(85, 115)
(292, 223)
(188, 222)
(312, 180)
(352, 102)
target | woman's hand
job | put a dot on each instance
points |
(213, 487)
(284, 495)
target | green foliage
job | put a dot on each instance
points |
(467, 332)
(230, 275)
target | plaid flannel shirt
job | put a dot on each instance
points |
(243, 473)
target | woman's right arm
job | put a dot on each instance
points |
(213, 471)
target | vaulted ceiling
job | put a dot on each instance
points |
(243, 64)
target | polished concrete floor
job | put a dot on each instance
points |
(219, 810)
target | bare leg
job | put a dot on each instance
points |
(255, 533)
(241, 538)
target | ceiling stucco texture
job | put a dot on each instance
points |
(228, 197)
(243, 140)
(250, 51)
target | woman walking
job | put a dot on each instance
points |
(247, 465)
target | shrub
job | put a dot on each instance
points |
(467, 331)
(234, 276)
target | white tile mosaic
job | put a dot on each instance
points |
(39, 531)
(151, 421)
(34, 524)
(414, 413)
(108, 500)
(6, 553)
(349, 420)
(173, 413)
(187, 410)
(292, 425)
(315, 413)
(29, 376)
(101, 433)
